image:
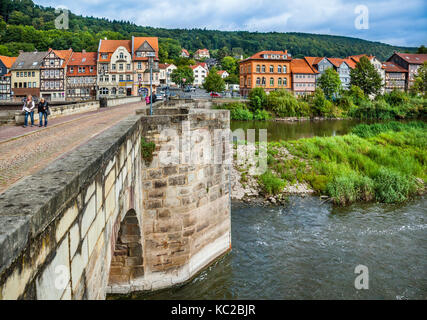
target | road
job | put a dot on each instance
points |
(24, 151)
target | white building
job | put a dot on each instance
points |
(200, 72)
(201, 54)
(165, 74)
(224, 74)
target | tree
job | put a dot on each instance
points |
(257, 99)
(232, 79)
(214, 82)
(420, 84)
(366, 77)
(229, 64)
(330, 83)
(422, 49)
(182, 75)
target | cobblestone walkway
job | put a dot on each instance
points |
(21, 156)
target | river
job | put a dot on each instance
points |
(309, 249)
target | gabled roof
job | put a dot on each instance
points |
(29, 60)
(109, 46)
(200, 64)
(144, 44)
(64, 55)
(337, 62)
(302, 66)
(83, 59)
(185, 51)
(392, 67)
(8, 61)
(221, 72)
(259, 55)
(412, 58)
(202, 50)
(313, 60)
(356, 58)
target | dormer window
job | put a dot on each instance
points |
(121, 56)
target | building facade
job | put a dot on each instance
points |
(25, 74)
(266, 69)
(114, 67)
(142, 49)
(184, 53)
(395, 77)
(6, 64)
(201, 54)
(224, 74)
(200, 72)
(53, 73)
(410, 62)
(166, 73)
(81, 76)
(343, 68)
(321, 64)
(303, 77)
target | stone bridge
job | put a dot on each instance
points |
(112, 217)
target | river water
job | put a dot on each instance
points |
(309, 250)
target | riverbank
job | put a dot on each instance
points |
(380, 162)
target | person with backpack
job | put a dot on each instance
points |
(43, 109)
(28, 108)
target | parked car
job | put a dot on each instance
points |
(215, 95)
(190, 89)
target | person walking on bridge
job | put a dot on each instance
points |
(43, 109)
(28, 107)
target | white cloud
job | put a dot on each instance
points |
(388, 19)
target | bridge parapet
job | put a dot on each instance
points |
(100, 219)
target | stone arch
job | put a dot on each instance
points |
(127, 258)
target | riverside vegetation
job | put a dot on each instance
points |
(352, 103)
(384, 162)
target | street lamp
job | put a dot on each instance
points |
(151, 56)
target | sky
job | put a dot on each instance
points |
(396, 22)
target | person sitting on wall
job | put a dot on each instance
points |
(28, 107)
(43, 109)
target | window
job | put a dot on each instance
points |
(271, 68)
(113, 78)
(103, 91)
(22, 74)
(128, 77)
(113, 66)
(29, 84)
(121, 55)
(279, 69)
(121, 67)
(284, 69)
(91, 69)
(139, 65)
(263, 81)
(258, 68)
(121, 78)
(128, 66)
(279, 81)
(71, 70)
(258, 81)
(285, 82)
(25, 74)
(271, 82)
(34, 84)
(263, 69)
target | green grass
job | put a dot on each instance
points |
(270, 184)
(147, 149)
(376, 162)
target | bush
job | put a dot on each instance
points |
(284, 104)
(257, 99)
(261, 115)
(271, 184)
(392, 186)
(147, 149)
(238, 111)
(347, 188)
(321, 106)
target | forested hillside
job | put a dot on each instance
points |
(26, 26)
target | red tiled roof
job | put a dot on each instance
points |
(64, 54)
(313, 60)
(356, 58)
(8, 61)
(302, 66)
(413, 58)
(221, 72)
(338, 61)
(152, 41)
(258, 55)
(202, 50)
(109, 46)
(185, 51)
(392, 67)
(83, 59)
(201, 64)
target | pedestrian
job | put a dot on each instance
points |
(43, 109)
(28, 107)
(147, 99)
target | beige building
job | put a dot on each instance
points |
(25, 74)
(166, 73)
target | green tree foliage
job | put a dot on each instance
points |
(422, 49)
(330, 83)
(182, 72)
(420, 84)
(232, 79)
(230, 65)
(366, 77)
(214, 82)
(257, 99)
